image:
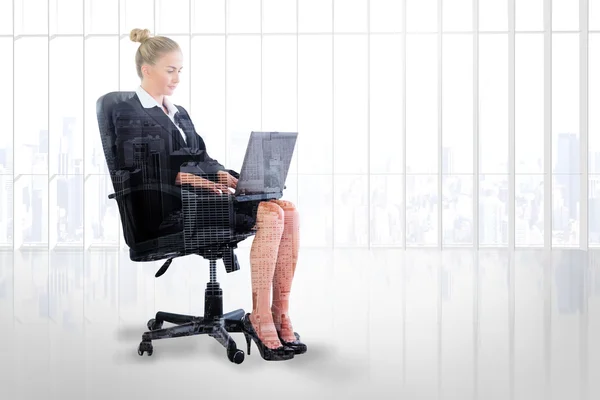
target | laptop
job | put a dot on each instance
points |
(266, 165)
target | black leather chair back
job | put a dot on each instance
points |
(133, 216)
(104, 108)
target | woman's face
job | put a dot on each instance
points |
(163, 77)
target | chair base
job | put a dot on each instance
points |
(214, 323)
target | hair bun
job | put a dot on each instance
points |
(139, 35)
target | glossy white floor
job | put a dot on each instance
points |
(380, 323)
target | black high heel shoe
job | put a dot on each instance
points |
(297, 345)
(279, 354)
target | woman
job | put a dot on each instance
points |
(274, 251)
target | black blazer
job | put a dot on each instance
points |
(134, 122)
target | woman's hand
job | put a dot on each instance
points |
(197, 181)
(225, 178)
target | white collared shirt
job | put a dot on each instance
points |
(149, 102)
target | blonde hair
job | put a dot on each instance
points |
(151, 48)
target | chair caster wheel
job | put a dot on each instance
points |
(145, 347)
(153, 325)
(235, 356)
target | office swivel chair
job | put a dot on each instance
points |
(210, 242)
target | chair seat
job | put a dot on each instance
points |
(174, 245)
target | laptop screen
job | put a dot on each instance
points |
(267, 162)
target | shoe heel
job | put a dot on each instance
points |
(248, 341)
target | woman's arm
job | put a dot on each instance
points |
(132, 125)
(185, 178)
(202, 146)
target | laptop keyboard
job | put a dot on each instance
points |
(253, 197)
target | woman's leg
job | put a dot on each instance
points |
(263, 256)
(287, 257)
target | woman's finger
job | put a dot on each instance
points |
(218, 187)
(214, 187)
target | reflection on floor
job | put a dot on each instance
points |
(380, 323)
